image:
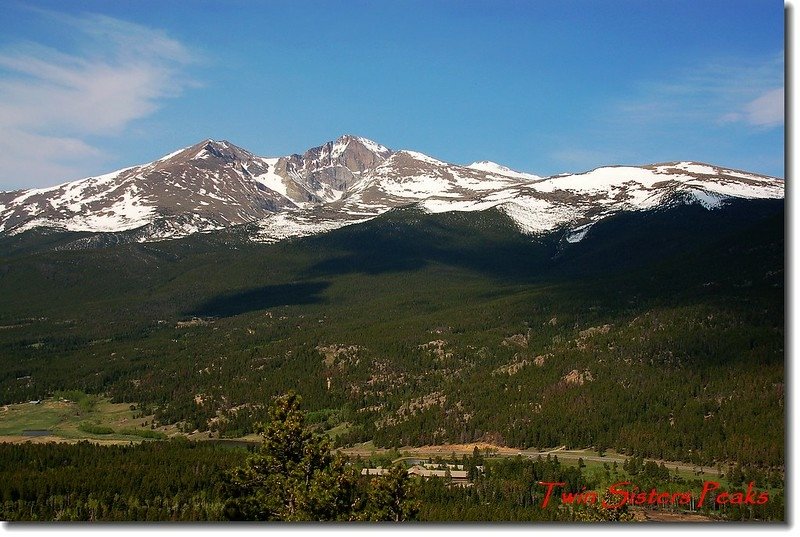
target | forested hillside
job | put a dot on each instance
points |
(658, 334)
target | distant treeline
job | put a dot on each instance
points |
(186, 481)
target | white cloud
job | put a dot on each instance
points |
(53, 101)
(767, 110)
(749, 92)
(24, 157)
(764, 111)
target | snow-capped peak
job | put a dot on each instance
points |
(344, 140)
(217, 149)
(493, 167)
(214, 184)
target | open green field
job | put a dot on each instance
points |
(69, 421)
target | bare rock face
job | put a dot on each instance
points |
(335, 166)
(577, 378)
(215, 184)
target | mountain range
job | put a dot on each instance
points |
(214, 185)
(633, 308)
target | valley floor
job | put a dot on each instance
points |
(64, 422)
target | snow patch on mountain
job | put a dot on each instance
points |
(534, 215)
(419, 187)
(432, 205)
(495, 168)
(373, 146)
(422, 157)
(270, 179)
(127, 213)
(479, 182)
(601, 180)
(709, 200)
(577, 234)
(291, 224)
(696, 168)
(165, 229)
(733, 189)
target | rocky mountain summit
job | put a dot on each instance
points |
(215, 184)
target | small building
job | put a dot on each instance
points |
(374, 471)
(457, 477)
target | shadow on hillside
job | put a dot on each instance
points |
(498, 262)
(368, 262)
(261, 298)
(678, 241)
(385, 246)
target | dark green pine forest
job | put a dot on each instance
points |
(294, 476)
(660, 334)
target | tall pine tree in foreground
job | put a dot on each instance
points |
(295, 476)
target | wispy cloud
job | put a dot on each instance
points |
(764, 111)
(53, 101)
(714, 94)
(701, 111)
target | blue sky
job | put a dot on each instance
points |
(540, 86)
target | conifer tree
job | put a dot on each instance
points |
(390, 498)
(293, 476)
